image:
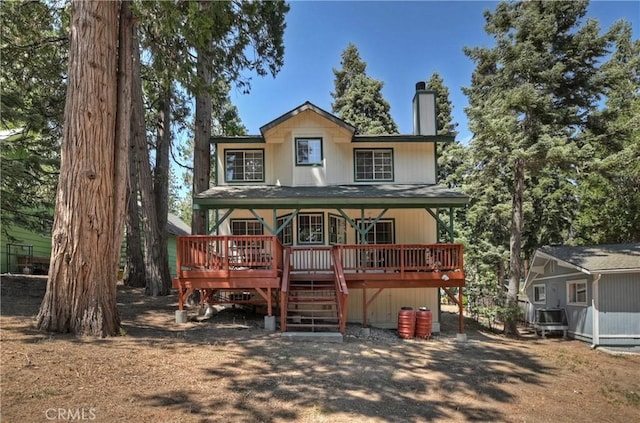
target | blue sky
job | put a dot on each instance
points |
(401, 42)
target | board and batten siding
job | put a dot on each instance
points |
(619, 309)
(383, 312)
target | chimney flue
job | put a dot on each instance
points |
(424, 110)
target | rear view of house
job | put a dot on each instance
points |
(356, 214)
(597, 288)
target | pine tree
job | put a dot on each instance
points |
(358, 98)
(609, 182)
(530, 95)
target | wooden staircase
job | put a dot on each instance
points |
(312, 304)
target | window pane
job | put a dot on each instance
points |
(308, 151)
(310, 229)
(245, 166)
(286, 234)
(374, 165)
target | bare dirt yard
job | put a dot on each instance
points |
(228, 368)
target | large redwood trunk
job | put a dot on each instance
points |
(90, 202)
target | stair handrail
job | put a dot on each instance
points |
(284, 288)
(342, 292)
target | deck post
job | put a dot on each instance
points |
(460, 311)
(364, 307)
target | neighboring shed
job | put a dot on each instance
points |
(598, 287)
(23, 243)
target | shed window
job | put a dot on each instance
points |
(539, 294)
(577, 292)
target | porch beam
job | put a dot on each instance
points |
(261, 220)
(219, 221)
(448, 227)
(267, 297)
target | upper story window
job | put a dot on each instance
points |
(244, 165)
(373, 165)
(308, 151)
(577, 292)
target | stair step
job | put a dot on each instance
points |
(312, 288)
(312, 300)
(312, 325)
(312, 317)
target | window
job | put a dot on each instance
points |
(308, 151)
(577, 292)
(244, 165)
(381, 233)
(374, 165)
(285, 236)
(337, 230)
(311, 228)
(246, 227)
(539, 294)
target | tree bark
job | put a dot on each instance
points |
(154, 260)
(90, 201)
(515, 262)
(134, 274)
(202, 135)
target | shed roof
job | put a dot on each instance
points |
(596, 258)
(176, 226)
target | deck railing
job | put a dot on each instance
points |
(284, 289)
(215, 252)
(401, 257)
(342, 292)
(311, 259)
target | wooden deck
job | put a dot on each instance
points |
(257, 269)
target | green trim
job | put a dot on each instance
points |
(440, 223)
(379, 220)
(243, 151)
(379, 149)
(295, 146)
(216, 227)
(244, 219)
(239, 139)
(403, 138)
(297, 229)
(335, 216)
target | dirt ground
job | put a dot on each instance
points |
(229, 369)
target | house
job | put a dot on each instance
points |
(596, 287)
(352, 218)
(26, 251)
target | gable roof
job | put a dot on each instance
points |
(606, 258)
(598, 258)
(307, 105)
(176, 226)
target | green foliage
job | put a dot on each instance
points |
(32, 75)
(358, 98)
(531, 95)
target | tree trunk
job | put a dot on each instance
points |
(515, 262)
(154, 260)
(161, 182)
(202, 135)
(134, 273)
(90, 202)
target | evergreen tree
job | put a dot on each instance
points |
(33, 67)
(358, 98)
(532, 93)
(609, 181)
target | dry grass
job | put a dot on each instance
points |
(229, 369)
